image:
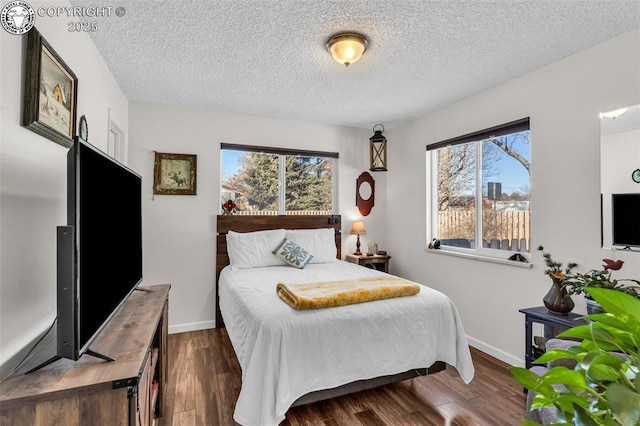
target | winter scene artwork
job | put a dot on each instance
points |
(50, 92)
(56, 91)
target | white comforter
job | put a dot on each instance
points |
(285, 353)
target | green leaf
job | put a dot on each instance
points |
(603, 373)
(609, 360)
(541, 401)
(563, 376)
(616, 302)
(620, 321)
(606, 338)
(613, 339)
(601, 335)
(584, 418)
(577, 332)
(624, 404)
(608, 420)
(530, 380)
(568, 401)
(556, 354)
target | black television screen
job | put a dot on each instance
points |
(625, 213)
(104, 218)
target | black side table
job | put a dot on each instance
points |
(542, 315)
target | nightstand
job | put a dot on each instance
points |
(377, 261)
(553, 324)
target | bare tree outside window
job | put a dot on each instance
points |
(498, 206)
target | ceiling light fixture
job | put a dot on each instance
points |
(613, 114)
(347, 48)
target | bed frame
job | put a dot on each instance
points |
(246, 223)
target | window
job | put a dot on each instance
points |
(479, 192)
(274, 181)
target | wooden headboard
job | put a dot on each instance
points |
(242, 223)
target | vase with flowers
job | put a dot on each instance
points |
(576, 283)
(557, 300)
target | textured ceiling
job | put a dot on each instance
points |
(268, 57)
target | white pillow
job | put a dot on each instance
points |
(254, 249)
(320, 243)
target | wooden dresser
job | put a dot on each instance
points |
(126, 392)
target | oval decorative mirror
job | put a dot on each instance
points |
(365, 192)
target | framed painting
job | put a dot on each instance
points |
(174, 174)
(50, 92)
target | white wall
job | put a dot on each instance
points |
(563, 101)
(180, 230)
(32, 181)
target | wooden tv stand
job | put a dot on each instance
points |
(128, 391)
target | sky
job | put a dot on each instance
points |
(511, 174)
(230, 164)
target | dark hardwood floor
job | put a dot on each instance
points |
(204, 382)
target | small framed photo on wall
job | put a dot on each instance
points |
(174, 174)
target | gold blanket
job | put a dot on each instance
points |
(345, 292)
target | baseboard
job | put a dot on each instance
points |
(192, 326)
(495, 352)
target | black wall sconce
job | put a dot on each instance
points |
(378, 150)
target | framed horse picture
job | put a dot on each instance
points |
(174, 174)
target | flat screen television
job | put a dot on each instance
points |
(625, 214)
(99, 251)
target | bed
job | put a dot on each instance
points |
(290, 357)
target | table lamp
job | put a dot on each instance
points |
(357, 228)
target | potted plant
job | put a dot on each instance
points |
(577, 283)
(557, 300)
(603, 388)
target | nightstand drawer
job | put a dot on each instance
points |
(379, 262)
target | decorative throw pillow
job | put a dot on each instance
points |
(293, 254)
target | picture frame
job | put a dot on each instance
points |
(174, 174)
(50, 92)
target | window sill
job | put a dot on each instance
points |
(479, 257)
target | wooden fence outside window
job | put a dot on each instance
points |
(503, 230)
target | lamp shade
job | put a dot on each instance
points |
(347, 48)
(357, 228)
